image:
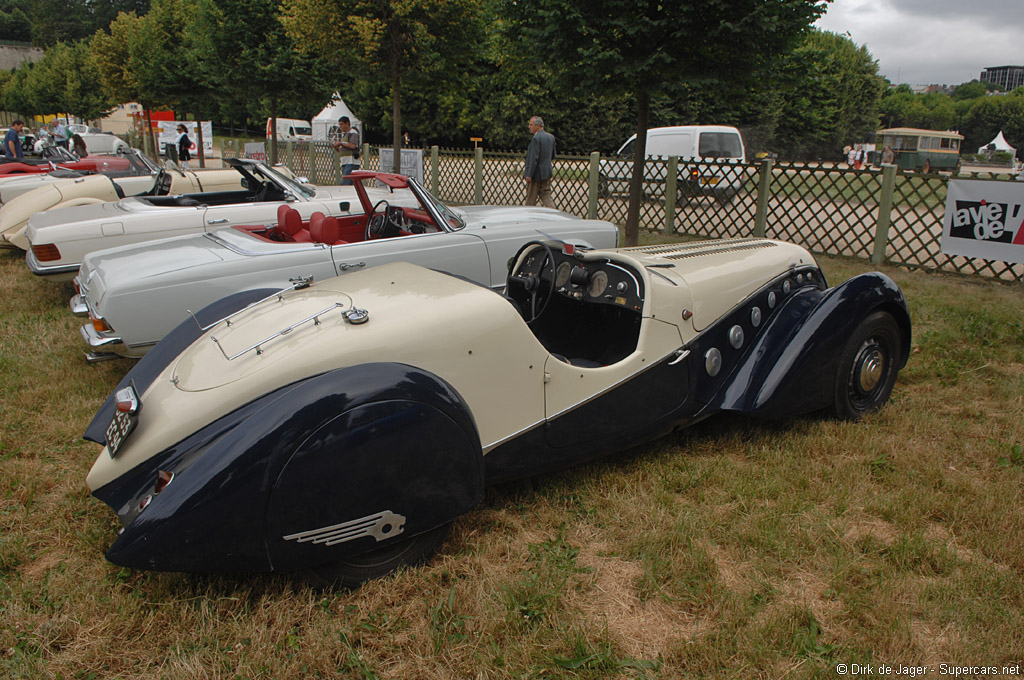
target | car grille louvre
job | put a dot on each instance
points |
(679, 251)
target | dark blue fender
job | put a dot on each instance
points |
(348, 446)
(792, 367)
(145, 371)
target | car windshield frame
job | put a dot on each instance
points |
(445, 217)
(300, 191)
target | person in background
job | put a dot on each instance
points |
(78, 146)
(538, 169)
(12, 140)
(60, 134)
(184, 147)
(347, 146)
(858, 157)
(888, 155)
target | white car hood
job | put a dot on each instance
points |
(83, 213)
(498, 215)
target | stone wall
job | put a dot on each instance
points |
(11, 56)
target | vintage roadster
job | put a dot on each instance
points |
(25, 196)
(60, 239)
(56, 157)
(340, 428)
(135, 295)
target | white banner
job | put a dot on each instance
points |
(256, 151)
(984, 220)
(412, 163)
(169, 135)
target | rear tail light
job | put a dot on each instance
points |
(126, 401)
(46, 253)
(77, 286)
(99, 324)
(163, 478)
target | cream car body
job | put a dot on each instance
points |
(135, 295)
(22, 198)
(343, 426)
(60, 239)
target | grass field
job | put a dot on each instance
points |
(734, 549)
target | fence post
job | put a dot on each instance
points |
(289, 153)
(478, 177)
(884, 214)
(435, 172)
(671, 186)
(365, 155)
(764, 189)
(592, 182)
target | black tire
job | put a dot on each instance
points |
(354, 571)
(867, 367)
(602, 187)
(927, 167)
(725, 197)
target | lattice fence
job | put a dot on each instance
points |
(827, 209)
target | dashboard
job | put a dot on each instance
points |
(596, 282)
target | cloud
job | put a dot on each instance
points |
(932, 41)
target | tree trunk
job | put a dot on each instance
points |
(149, 135)
(273, 130)
(199, 138)
(636, 185)
(396, 119)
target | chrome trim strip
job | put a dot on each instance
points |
(371, 525)
(41, 270)
(78, 305)
(212, 235)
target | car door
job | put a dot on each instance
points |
(220, 216)
(456, 253)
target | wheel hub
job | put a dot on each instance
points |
(868, 368)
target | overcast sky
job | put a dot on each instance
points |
(921, 42)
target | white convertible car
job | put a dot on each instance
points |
(135, 295)
(23, 196)
(60, 239)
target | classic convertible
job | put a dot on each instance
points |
(60, 239)
(338, 429)
(25, 195)
(56, 157)
(137, 294)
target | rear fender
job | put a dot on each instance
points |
(792, 367)
(174, 343)
(384, 441)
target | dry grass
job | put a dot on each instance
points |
(734, 549)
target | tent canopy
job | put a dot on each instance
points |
(328, 118)
(999, 143)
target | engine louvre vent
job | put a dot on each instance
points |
(680, 251)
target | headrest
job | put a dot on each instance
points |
(316, 226)
(330, 231)
(289, 220)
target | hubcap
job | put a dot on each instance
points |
(868, 368)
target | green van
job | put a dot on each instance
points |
(920, 150)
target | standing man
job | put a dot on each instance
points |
(348, 146)
(184, 147)
(538, 164)
(12, 140)
(60, 134)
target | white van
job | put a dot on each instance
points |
(716, 143)
(291, 130)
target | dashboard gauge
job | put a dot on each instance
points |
(562, 274)
(598, 283)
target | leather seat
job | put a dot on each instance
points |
(289, 224)
(325, 229)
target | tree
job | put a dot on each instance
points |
(257, 58)
(387, 39)
(644, 47)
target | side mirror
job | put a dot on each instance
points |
(344, 206)
(302, 180)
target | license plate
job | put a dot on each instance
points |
(709, 180)
(122, 424)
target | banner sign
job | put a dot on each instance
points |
(169, 135)
(256, 151)
(412, 163)
(984, 220)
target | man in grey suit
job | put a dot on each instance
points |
(538, 164)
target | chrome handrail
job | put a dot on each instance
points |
(315, 318)
(298, 283)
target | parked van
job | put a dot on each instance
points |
(292, 129)
(710, 145)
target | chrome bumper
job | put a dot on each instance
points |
(61, 272)
(96, 341)
(78, 306)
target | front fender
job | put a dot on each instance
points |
(174, 343)
(792, 368)
(254, 490)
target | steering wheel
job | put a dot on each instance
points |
(377, 222)
(530, 276)
(261, 195)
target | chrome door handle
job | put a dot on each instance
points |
(344, 266)
(220, 221)
(680, 355)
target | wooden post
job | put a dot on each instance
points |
(478, 176)
(435, 171)
(593, 181)
(671, 191)
(884, 214)
(764, 190)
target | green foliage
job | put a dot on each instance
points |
(990, 115)
(14, 21)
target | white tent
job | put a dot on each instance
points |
(327, 119)
(999, 144)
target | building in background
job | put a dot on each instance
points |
(1006, 77)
